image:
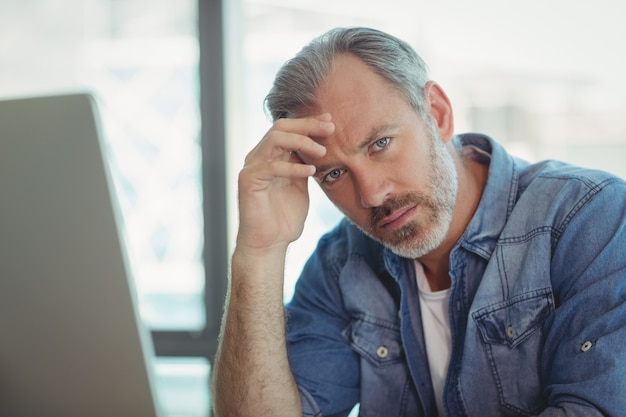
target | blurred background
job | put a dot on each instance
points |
(180, 87)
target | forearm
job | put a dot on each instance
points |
(251, 374)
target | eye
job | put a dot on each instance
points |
(381, 143)
(332, 176)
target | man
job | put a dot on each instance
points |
(464, 282)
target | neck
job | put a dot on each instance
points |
(472, 177)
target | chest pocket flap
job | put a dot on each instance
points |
(376, 340)
(511, 322)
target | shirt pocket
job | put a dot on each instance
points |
(386, 388)
(512, 338)
(377, 341)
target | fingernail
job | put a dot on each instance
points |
(326, 125)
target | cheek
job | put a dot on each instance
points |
(347, 201)
(410, 171)
(342, 198)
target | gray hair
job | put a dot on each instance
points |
(297, 81)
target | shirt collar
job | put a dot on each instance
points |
(497, 201)
(494, 208)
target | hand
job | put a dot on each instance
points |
(273, 193)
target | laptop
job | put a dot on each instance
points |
(71, 341)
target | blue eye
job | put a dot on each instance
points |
(382, 143)
(332, 175)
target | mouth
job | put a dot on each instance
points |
(398, 219)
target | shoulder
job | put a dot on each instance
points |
(553, 196)
(560, 175)
(560, 190)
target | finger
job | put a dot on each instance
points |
(278, 144)
(289, 137)
(292, 170)
(255, 178)
(315, 128)
(303, 146)
(312, 126)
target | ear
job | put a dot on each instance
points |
(437, 104)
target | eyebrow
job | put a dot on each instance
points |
(375, 134)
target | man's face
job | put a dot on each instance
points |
(385, 168)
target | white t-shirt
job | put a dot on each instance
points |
(436, 324)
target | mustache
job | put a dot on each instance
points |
(393, 204)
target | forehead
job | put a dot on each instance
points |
(351, 81)
(359, 100)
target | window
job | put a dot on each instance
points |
(141, 65)
(140, 60)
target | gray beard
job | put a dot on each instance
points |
(415, 240)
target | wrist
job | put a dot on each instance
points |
(259, 255)
(261, 269)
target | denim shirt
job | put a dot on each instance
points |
(537, 307)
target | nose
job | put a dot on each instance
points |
(372, 188)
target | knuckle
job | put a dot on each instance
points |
(244, 174)
(278, 124)
(272, 138)
(249, 156)
(282, 124)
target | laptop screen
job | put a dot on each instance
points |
(71, 342)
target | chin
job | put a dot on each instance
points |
(413, 251)
(417, 243)
(411, 242)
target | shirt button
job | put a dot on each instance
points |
(509, 332)
(382, 352)
(586, 346)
